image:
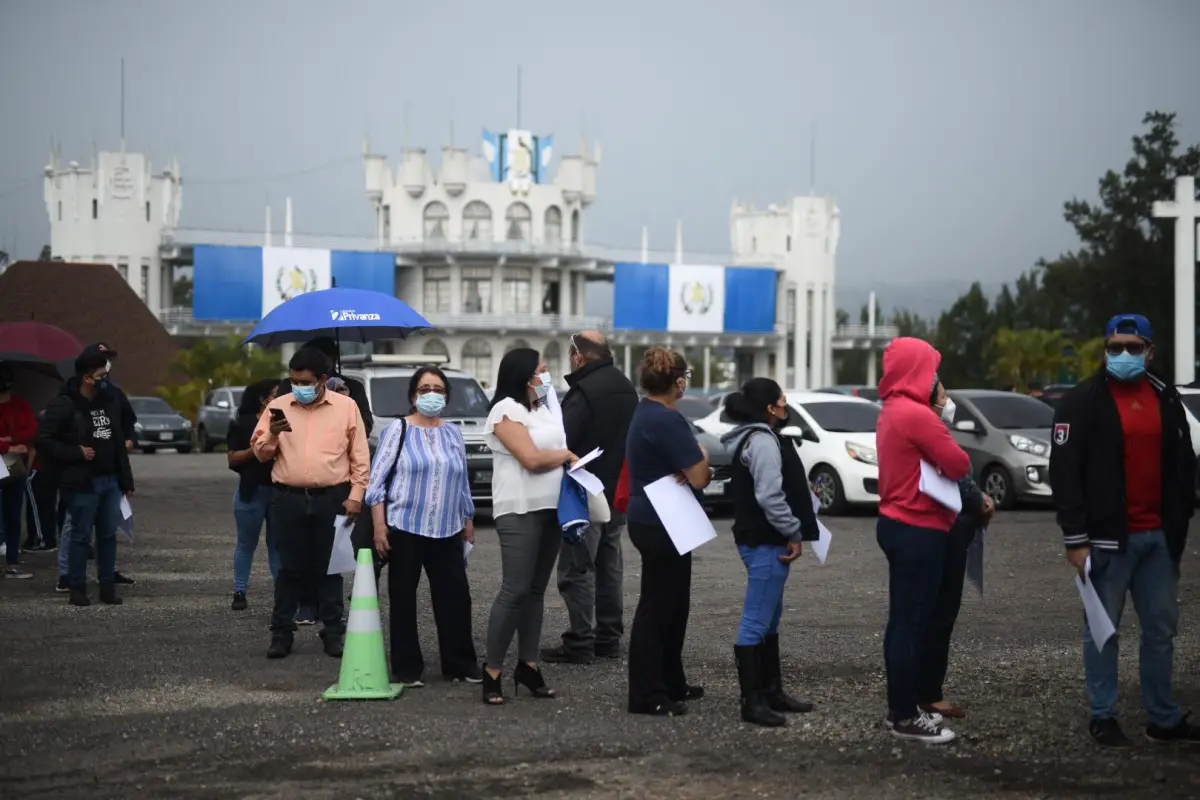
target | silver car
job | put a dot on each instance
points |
(216, 415)
(1007, 436)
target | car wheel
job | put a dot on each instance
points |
(183, 450)
(827, 486)
(997, 484)
(206, 444)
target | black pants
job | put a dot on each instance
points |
(450, 594)
(304, 529)
(660, 622)
(42, 520)
(935, 652)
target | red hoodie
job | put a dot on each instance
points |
(911, 430)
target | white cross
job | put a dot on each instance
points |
(1185, 210)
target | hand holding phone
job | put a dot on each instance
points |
(279, 422)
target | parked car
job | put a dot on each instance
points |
(216, 415)
(693, 407)
(1053, 393)
(835, 436)
(720, 459)
(1007, 436)
(160, 426)
(865, 392)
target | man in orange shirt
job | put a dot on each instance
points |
(319, 445)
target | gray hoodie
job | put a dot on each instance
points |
(761, 456)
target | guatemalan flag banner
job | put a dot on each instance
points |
(291, 271)
(690, 298)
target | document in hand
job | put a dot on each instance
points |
(681, 514)
(125, 526)
(467, 548)
(341, 557)
(587, 480)
(821, 545)
(940, 488)
(1099, 624)
(975, 560)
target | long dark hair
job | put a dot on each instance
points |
(750, 404)
(254, 394)
(512, 380)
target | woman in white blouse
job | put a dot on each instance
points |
(529, 450)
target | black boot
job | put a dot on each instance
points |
(754, 705)
(108, 595)
(776, 698)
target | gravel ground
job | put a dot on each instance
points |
(170, 696)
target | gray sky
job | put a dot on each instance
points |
(950, 131)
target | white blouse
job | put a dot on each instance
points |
(516, 490)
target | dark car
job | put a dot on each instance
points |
(693, 406)
(1053, 393)
(159, 426)
(720, 459)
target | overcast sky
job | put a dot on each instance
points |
(949, 131)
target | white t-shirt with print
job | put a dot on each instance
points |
(515, 490)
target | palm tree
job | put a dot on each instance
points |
(1031, 355)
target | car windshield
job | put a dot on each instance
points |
(150, 405)
(867, 393)
(389, 398)
(693, 407)
(844, 417)
(1192, 402)
(237, 396)
(1014, 412)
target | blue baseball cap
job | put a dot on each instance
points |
(1129, 323)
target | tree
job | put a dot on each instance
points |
(1026, 357)
(964, 332)
(911, 324)
(214, 363)
(45, 255)
(181, 291)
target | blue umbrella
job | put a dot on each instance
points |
(345, 315)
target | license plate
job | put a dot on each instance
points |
(483, 477)
(714, 489)
(166, 437)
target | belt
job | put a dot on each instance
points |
(308, 490)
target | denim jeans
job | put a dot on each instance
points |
(1147, 571)
(98, 507)
(12, 503)
(250, 516)
(766, 577)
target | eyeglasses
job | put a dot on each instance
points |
(423, 390)
(1133, 348)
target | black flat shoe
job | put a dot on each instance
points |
(671, 708)
(688, 693)
(531, 678)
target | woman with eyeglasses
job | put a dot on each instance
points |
(422, 513)
(529, 449)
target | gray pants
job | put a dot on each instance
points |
(528, 546)
(590, 576)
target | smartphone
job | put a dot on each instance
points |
(277, 414)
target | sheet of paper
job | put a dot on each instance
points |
(821, 545)
(467, 548)
(125, 525)
(587, 459)
(341, 557)
(3, 470)
(126, 509)
(681, 514)
(975, 560)
(940, 488)
(1098, 622)
(587, 480)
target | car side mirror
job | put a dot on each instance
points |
(966, 426)
(222, 404)
(795, 432)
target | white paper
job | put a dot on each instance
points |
(975, 560)
(3, 470)
(585, 460)
(1098, 622)
(940, 488)
(125, 526)
(821, 545)
(681, 514)
(467, 548)
(587, 480)
(126, 509)
(341, 557)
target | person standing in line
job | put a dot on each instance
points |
(913, 527)
(81, 434)
(321, 468)
(18, 426)
(596, 413)
(772, 517)
(529, 449)
(1122, 471)
(423, 516)
(660, 444)
(41, 512)
(252, 499)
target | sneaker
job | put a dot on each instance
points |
(280, 648)
(46, 547)
(1185, 733)
(79, 598)
(239, 601)
(108, 595)
(473, 675)
(123, 580)
(63, 586)
(560, 654)
(16, 573)
(332, 645)
(415, 683)
(922, 728)
(306, 616)
(937, 718)
(1108, 733)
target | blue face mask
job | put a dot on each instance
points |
(305, 395)
(432, 404)
(1125, 366)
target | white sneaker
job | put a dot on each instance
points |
(937, 718)
(922, 729)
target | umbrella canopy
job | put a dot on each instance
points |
(345, 315)
(36, 341)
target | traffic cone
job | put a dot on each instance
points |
(364, 673)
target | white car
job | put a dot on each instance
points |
(1191, 406)
(835, 436)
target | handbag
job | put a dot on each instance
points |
(598, 510)
(363, 535)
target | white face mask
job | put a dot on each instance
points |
(948, 411)
(544, 387)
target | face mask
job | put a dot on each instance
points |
(305, 395)
(543, 388)
(108, 366)
(431, 405)
(947, 411)
(1126, 367)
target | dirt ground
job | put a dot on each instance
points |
(170, 695)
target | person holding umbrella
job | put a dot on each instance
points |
(18, 426)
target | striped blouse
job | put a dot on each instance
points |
(430, 494)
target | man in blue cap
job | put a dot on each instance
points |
(1122, 470)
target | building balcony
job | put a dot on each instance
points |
(861, 337)
(503, 323)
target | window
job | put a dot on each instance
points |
(753, 244)
(517, 287)
(437, 218)
(435, 347)
(518, 223)
(477, 290)
(436, 294)
(147, 211)
(790, 310)
(477, 222)
(844, 417)
(1011, 412)
(477, 359)
(550, 297)
(124, 270)
(789, 243)
(145, 283)
(60, 210)
(516, 344)
(575, 226)
(553, 225)
(553, 356)
(95, 209)
(387, 223)
(150, 405)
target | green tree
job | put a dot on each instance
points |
(1028, 356)
(181, 292)
(911, 324)
(963, 335)
(45, 255)
(214, 363)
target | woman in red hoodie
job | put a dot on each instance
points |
(17, 428)
(913, 528)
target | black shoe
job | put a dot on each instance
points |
(471, 674)
(608, 650)
(922, 728)
(108, 595)
(531, 678)
(1185, 733)
(63, 586)
(1108, 733)
(689, 693)
(493, 688)
(671, 708)
(239, 602)
(46, 547)
(777, 699)
(563, 655)
(280, 648)
(123, 580)
(332, 644)
(754, 705)
(79, 598)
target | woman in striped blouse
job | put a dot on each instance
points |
(422, 512)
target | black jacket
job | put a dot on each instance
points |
(66, 426)
(358, 393)
(752, 525)
(596, 413)
(252, 474)
(1087, 467)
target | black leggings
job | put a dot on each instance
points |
(660, 622)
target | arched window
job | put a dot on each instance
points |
(436, 347)
(575, 226)
(477, 222)
(477, 360)
(552, 355)
(553, 225)
(518, 220)
(516, 344)
(437, 219)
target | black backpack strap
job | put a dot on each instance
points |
(387, 482)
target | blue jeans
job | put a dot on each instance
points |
(98, 507)
(250, 516)
(12, 503)
(766, 577)
(1147, 571)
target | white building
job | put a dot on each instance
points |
(115, 212)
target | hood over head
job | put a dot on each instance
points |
(909, 370)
